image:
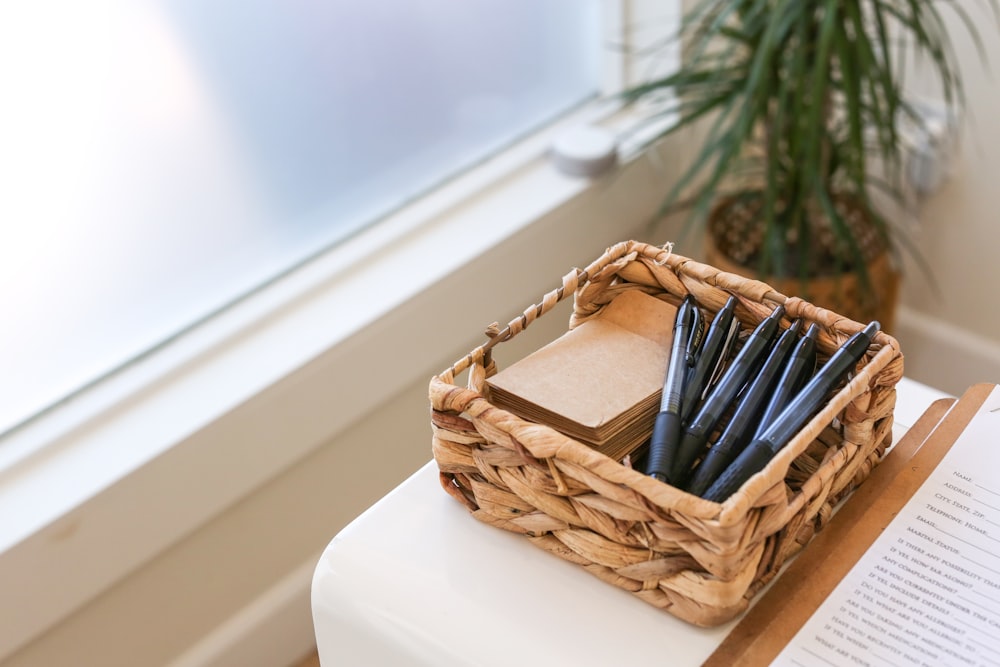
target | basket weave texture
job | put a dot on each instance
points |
(699, 560)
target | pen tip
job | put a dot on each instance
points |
(873, 328)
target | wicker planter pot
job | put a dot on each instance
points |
(699, 560)
(735, 237)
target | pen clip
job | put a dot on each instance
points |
(720, 363)
(695, 337)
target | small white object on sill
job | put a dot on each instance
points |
(584, 151)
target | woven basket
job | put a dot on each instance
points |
(699, 560)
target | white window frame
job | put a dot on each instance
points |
(107, 480)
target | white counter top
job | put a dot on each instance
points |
(415, 580)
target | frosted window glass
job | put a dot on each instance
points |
(162, 158)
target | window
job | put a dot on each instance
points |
(163, 158)
(153, 453)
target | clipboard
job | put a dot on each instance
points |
(781, 612)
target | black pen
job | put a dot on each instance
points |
(740, 428)
(801, 365)
(800, 410)
(746, 363)
(718, 341)
(667, 427)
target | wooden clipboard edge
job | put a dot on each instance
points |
(771, 623)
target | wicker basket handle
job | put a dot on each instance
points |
(570, 283)
(616, 256)
(480, 358)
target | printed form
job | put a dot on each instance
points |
(927, 592)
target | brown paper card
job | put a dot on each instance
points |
(771, 623)
(599, 382)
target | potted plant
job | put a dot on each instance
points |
(802, 103)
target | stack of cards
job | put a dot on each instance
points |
(599, 383)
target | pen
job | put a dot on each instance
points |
(800, 367)
(718, 341)
(800, 410)
(666, 428)
(746, 363)
(739, 430)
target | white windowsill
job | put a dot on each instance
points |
(122, 471)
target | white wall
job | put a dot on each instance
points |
(952, 340)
